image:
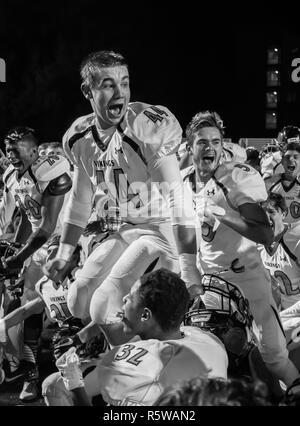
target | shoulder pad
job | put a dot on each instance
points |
(40, 283)
(236, 170)
(186, 172)
(78, 129)
(240, 169)
(50, 167)
(60, 185)
(81, 124)
(152, 118)
(158, 130)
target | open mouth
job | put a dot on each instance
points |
(208, 158)
(291, 168)
(115, 110)
(120, 315)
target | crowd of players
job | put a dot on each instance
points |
(168, 266)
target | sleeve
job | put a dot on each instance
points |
(239, 153)
(160, 135)
(79, 206)
(158, 131)
(246, 186)
(69, 153)
(165, 172)
(292, 240)
(268, 164)
(7, 207)
(51, 167)
(39, 285)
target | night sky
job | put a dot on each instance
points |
(183, 57)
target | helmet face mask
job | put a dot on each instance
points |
(288, 134)
(224, 311)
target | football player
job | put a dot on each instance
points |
(282, 257)
(287, 183)
(161, 353)
(231, 222)
(51, 296)
(128, 150)
(271, 154)
(37, 186)
(231, 152)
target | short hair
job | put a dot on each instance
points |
(292, 146)
(252, 153)
(100, 59)
(55, 144)
(278, 201)
(166, 295)
(204, 119)
(18, 133)
(216, 392)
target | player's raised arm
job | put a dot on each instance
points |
(164, 169)
(76, 216)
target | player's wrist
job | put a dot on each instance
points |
(188, 267)
(65, 251)
(3, 337)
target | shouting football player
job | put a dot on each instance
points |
(129, 151)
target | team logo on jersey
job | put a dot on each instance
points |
(209, 193)
(26, 182)
(100, 164)
(119, 150)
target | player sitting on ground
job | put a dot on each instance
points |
(161, 354)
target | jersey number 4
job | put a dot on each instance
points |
(158, 114)
(123, 191)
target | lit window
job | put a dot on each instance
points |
(273, 56)
(273, 78)
(272, 99)
(271, 120)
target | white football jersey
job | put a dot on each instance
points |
(271, 164)
(121, 161)
(55, 297)
(290, 192)
(233, 152)
(223, 248)
(283, 262)
(136, 373)
(27, 192)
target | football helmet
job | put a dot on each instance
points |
(270, 147)
(288, 134)
(65, 338)
(224, 311)
(292, 394)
